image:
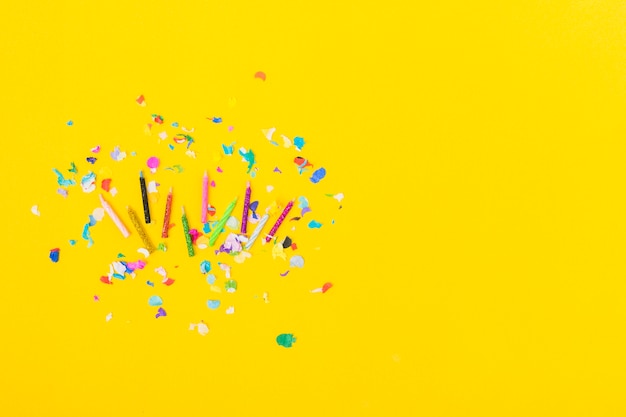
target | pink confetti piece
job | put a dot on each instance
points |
(153, 163)
(260, 75)
(213, 184)
(95, 149)
(219, 169)
(96, 298)
(230, 128)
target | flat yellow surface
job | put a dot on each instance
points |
(477, 261)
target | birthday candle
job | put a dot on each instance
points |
(113, 215)
(144, 197)
(140, 230)
(257, 231)
(168, 212)
(279, 221)
(205, 196)
(187, 235)
(220, 224)
(246, 208)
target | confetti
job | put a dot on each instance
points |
(155, 301)
(163, 136)
(247, 156)
(72, 242)
(284, 274)
(63, 192)
(296, 261)
(98, 213)
(205, 267)
(268, 133)
(106, 184)
(54, 255)
(158, 119)
(226, 268)
(96, 298)
(318, 175)
(213, 304)
(95, 149)
(260, 75)
(230, 310)
(35, 210)
(269, 188)
(302, 164)
(141, 101)
(88, 182)
(91, 160)
(298, 142)
(323, 289)
(202, 328)
(210, 279)
(160, 313)
(153, 163)
(231, 286)
(314, 224)
(118, 155)
(108, 317)
(228, 150)
(144, 252)
(232, 223)
(216, 120)
(285, 340)
(61, 180)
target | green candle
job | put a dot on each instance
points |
(220, 224)
(187, 235)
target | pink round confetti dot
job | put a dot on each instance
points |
(153, 163)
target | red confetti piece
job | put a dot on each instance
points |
(168, 281)
(260, 75)
(326, 287)
(294, 246)
(141, 100)
(104, 279)
(106, 184)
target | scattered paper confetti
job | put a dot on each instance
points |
(106, 184)
(302, 163)
(285, 340)
(118, 155)
(95, 149)
(155, 301)
(296, 261)
(141, 101)
(35, 210)
(158, 119)
(313, 224)
(266, 297)
(96, 298)
(98, 213)
(153, 163)
(298, 142)
(70, 123)
(210, 279)
(247, 156)
(318, 175)
(62, 181)
(268, 133)
(213, 304)
(108, 317)
(202, 328)
(228, 150)
(231, 286)
(232, 223)
(160, 313)
(72, 242)
(323, 289)
(269, 188)
(91, 160)
(284, 274)
(54, 255)
(88, 182)
(144, 252)
(260, 75)
(205, 267)
(230, 310)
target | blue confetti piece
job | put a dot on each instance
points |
(254, 205)
(298, 142)
(318, 175)
(174, 124)
(86, 235)
(217, 120)
(54, 255)
(118, 276)
(247, 156)
(70, 123)
(92, 220)
(72, 242)
(155, 301)
(61, 180)
(205, 267)
(314, 224)
(228, 150)
(206, 228)
(274, 143)
(150, 283)
(303, 202)
(133, 153)
(210, 279)
(213, 304)
(171, 147)
(92, 160)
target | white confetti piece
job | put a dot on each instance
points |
(269, 188)
(286, 141)
(144, 252)
(152, 187)
(268, 133)
(266, 298)
(230, 310)
(98, 213)
(163, 135)
(338, 197)
(109, 317)
(190, 153)
(232, 223)
(202, 328)
(113, 191)
(35, 210)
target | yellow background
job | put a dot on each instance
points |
(478, 259)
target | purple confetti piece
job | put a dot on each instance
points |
(160, 313)
(305, 211)
(284, 274)
(277, 170)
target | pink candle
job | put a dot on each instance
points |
(205, 196)
(279, 221)
(246, 208)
